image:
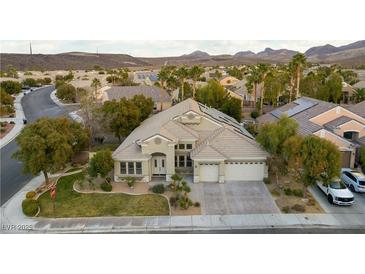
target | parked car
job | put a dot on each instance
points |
(336, 192)
(355, 180)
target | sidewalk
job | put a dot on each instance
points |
(18, 119)
(14, 221)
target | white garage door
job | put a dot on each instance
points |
(241, 171)
(208, 173)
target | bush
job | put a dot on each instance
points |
(197, 204)
(274, 192)
(130, 181)
(11, 87)
(298, 208)
(255, 114)
(267, 181)
(298, 192)
(108, 179)
(106, 187)
(288, 191)
(159, 188)
(29, 82)
(30, 207)
(285, 209)
(30, 194)
(66, 92)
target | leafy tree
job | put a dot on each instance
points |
(359, 95)
(29, 82)
(253, 79)
(292, 153)
(334, 87)
(217, 74)
(5, 98)
(48, 144)
(188, 91)
(233, 107)
(275, 84)
(145, 105)
(212, 94)
(349, 76)
(272, 136)
(121, 117)
(235, 72)
(67, 92)
(11, 87)
(321, 160)
(101, 163)
(194, 73)
(263, 70)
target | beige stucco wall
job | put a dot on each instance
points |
(159, 145)
(334, 114)
(145, 176)
(351, 126)
(165, 105)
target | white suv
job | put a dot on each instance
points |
(355, 180)
(336, 192)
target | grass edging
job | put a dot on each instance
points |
(121, 192)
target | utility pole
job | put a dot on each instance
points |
(30, 47)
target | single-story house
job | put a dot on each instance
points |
(190, 138)
(159, 96)
(344, 127)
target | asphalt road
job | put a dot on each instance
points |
(35, 105)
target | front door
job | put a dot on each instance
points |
(159, 165)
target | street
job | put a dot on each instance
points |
(35, 105)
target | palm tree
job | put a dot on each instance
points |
(253, 79)
(263, 70)
(95, 84)
(195, 72)
(163, 75)
(181, 74)
(299, 61)
(359, 95)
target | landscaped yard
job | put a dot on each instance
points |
(73, 204)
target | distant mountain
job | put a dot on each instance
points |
(197, 54)
(244, 53)
(279, 55)
(321, 50)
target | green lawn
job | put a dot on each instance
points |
(72, 204)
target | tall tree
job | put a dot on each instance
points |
(195, 73)
(101, 163)
(145, 105)
(299, 62)
(96, 85)
(48, 144)
(359, 95)
(263, 70)
(212, 94)
(182, 74)
(253, 79)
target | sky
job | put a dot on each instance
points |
(158, 48)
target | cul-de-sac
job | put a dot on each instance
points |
(112, 143)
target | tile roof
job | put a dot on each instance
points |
(306, 127)
(162, 123)
(358, 109)
(156, 93)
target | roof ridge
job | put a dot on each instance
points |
(187, 129)
(205, 142)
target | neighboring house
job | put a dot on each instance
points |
(360, 84)
(228, 81)
(343, 127)
(239, 91)
(145, 77)
(159, 96)
(190, 138)
(347, 92)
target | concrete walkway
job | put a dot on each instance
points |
(14, 221)
(18, 120)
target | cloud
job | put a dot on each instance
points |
(157, 48)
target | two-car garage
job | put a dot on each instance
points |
(233, 171)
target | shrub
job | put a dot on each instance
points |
(11, 87)
(130, 181)
(298, 192)
(159, 188)
(66, 92)
(30, 194)
(285, 209)
(47, 80)
(29, 82)
(288, 191)
(106, 187)
(267, 181)
(108, 179)
(30, 207)
(197, 204)
(101, 163)
(12, 122)
(298, 208)
(274, 192)
(255, 114)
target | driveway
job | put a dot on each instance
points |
(233, 198)
(357, 207)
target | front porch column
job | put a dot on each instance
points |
(221, 172)
(196, 172)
